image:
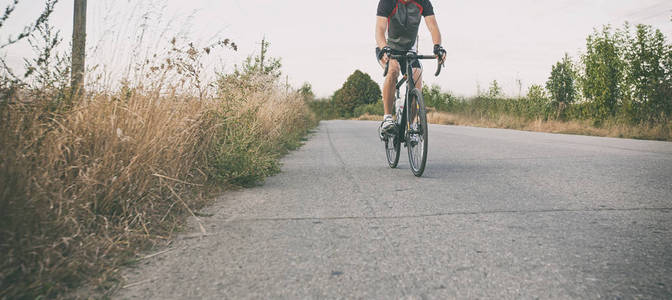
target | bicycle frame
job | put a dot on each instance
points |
(411, 57)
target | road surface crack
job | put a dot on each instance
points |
(459, 213)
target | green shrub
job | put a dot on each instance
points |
(621, 79)
(371, 109)
(359, 89)
(438, 100)
(324, 109)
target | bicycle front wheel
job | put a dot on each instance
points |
(392, 145)
(416, 136)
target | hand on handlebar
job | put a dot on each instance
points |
(440, 53)
(384, 60)
(384, 55)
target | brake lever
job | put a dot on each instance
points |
(439, 66)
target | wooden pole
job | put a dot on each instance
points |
(263, 53)
(78, 48)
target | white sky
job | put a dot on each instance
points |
(322, 42)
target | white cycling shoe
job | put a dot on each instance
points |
(388, 126)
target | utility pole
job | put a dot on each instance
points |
(78, 48)
(263, 52)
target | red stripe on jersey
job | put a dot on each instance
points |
(394, 11)
(419, 6)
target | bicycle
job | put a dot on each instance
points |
(411, 124)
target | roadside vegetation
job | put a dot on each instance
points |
(88, 183)
(359, 95)
(621, 86)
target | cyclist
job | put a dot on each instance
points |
(401, 19)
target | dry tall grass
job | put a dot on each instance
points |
(369, 117)
(657, 132)
(86, 188)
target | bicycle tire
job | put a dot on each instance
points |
(392, 147)
(417, 135)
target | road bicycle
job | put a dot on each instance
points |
(411, 118)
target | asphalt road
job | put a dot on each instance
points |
(498, 214)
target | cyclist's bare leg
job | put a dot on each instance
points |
(389, 87)
(417, 77)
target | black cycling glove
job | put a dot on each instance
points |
(386, 50)
(439, 51)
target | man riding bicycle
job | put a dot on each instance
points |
(401, 19)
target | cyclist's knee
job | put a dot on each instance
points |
(394, 69)
(393, 74)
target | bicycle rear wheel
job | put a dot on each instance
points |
(416, 136)
(392, 146)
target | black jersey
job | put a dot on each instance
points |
(403, 21)
(387, 7)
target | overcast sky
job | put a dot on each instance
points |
(322, 42)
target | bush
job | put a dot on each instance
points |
(358, 95)
(359, 89)
(375, 109)
(260, 124)
(436, 99)
(323, 109)
(621, 79)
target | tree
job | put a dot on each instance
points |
(561, 84)
(648, 72)
(358, 89)
(603, 77)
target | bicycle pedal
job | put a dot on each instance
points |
(390, 132)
